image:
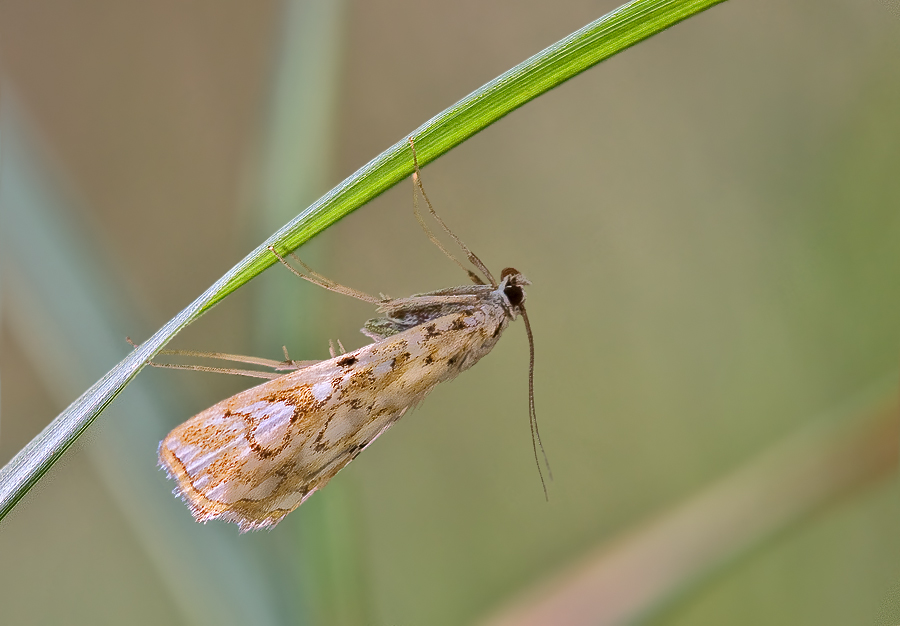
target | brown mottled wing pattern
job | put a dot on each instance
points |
(255, 457)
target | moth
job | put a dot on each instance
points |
(255, 457)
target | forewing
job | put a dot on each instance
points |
(255, 457)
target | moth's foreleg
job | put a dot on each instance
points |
(279, 366)
(317, 279)
(334, 351)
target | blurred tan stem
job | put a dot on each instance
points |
(625, 580)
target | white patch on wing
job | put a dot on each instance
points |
(383, 368)
(273, 421)
(288, 501)
(321, 391)
(193, 457)
(264, 489)
(223, 492)
(347, 424)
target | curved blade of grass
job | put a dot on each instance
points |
(552, 66)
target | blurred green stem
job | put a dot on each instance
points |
(296, 161)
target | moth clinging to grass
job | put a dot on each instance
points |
(255, 457)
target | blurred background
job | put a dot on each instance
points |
(710, 224)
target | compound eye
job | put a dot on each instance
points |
(515, 294)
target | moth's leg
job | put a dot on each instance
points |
(286, 365)
(317, 279)
(217, 370)
(278, 366)
(334, 351)
(473, 259)
(290, 365)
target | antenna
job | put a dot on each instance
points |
(532, 414)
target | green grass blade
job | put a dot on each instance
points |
(579, 51)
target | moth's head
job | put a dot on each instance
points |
(511, 283)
